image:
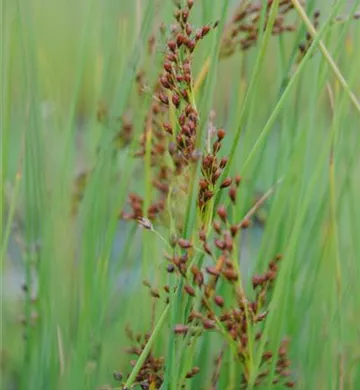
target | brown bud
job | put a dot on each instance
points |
(257, 280)
(220, 244)
(212, 271)
(188, 29)
(164, 82)
(205, 30)
(185, 244)
(217, 226)
(180, 40)
(154, 293)
(172, 46)
(216, 147)
(223, 162)
(231, 275)
(232, 194)
(245, 224)
(219, 301)
(237, 180)
(163, 98)
(208, 324)
(202, 235)
(181, 329)
(234, 230)
(221, 212)
(168, 66)
(167, 127)
(226, 183)
(176, 100)
(190, 3)
(216, 175)
(190, 290)
(220, 134)
(191, 45)
(185, 15)
(290, 384)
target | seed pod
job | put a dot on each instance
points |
(205, 30)
(181, 329)
(257, 280)
(222, 213)
(170, 268)
(176, 100)
(190, 290)
(202, 235)
(154, 293)
(185, 15)
(208, 324)
(188, 29)
(216, 175)
(220, 134)
(231, 275)
(219, 301)
(217, 226)
(290, 384)
(184, 244)
(220, 244)
(237, 180)
(223, 162)
(232, 194)
(234, 229)
(245, 224)
(226, 183)
(191, 45)
(167, 289)
(190, 4)
(168, 67)
(164, 82)
(167, 127)
(212, 270)
(216, 147)
(180, 40)
(163, 98)
(172, 46)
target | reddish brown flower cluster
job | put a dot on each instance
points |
(211, 169)
(152, 371)
(243, 30)
(171, 125)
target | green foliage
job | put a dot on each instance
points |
(291, 120)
